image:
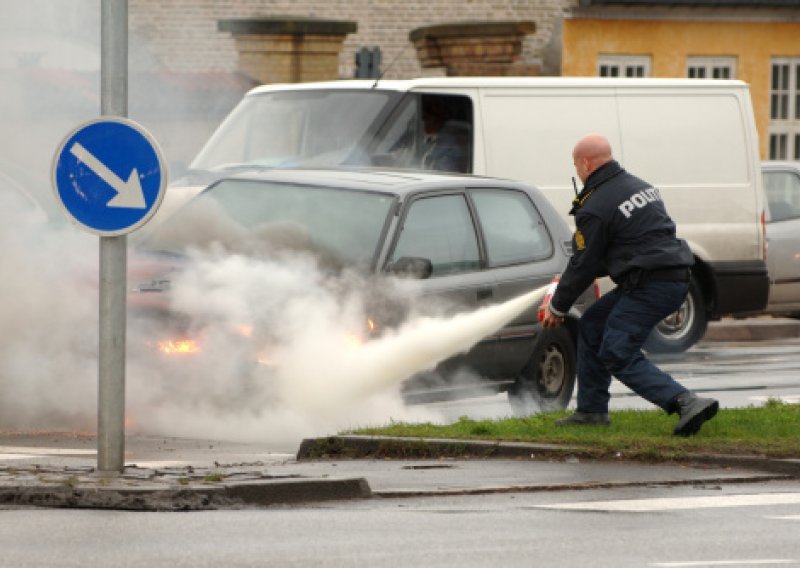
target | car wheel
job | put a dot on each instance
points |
(548, 379)
(682, 329)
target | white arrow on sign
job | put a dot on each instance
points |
(129, 193)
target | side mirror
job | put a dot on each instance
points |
(411, 267)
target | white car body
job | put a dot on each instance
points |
(782, 188)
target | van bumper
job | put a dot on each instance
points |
(742, 287)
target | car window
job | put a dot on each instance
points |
(338, 226)
(441, 230)
(783, 195)
(512, 227)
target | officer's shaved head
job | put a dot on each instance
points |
(591, 152)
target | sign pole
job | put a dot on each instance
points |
(113, 255)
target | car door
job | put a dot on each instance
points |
(522, 256)
(782, 187)
(440, 227)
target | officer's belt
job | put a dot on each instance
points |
(672, 274)
(638, 277)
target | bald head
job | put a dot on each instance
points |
(591, 152)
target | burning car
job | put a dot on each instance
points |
(411, 242)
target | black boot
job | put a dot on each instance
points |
(693, 411)
(580, 418)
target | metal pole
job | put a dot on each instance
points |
(113, 254)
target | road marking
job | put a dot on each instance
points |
(156, 464)
(743, 562)
(784, 517)
(15, 450)
(677, 503)
(15, 456)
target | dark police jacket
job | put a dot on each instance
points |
(621, 224)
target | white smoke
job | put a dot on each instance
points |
(283, 354)
(48, 328)
(315, 376)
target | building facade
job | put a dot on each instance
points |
(184, 34)
(757, 42)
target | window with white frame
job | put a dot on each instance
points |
(711, 67)
(784, 109)
(623, 66)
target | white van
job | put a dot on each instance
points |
(695, 140)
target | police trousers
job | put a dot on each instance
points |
(610, 339)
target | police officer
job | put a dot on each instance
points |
(623, 231)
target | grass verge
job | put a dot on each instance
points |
(772, 431)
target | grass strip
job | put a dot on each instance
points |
(772, 430)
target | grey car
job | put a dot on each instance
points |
(467, 241)
(782, 189)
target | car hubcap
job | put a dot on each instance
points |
(678, 323)
(552, 371)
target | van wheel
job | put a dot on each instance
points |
(548, 379)
(680, 330)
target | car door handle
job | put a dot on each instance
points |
(484, 293)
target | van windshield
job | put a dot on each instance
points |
(295, 128)
(334, 127)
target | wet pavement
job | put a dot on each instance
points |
(167, 474)
(210, 480)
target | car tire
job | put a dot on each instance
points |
(679, 331)
(547, 381)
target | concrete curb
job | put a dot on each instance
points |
(583, 486)
(421, 448)
(176, 489)
(299, 491)
(355, 447)
(752, 329)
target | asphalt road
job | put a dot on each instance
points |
(699, 526)
(737, 373)
(529, 510)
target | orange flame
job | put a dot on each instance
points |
(245, 330)
(179, 347)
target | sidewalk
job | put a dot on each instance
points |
(385, 468)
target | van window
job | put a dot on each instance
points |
(428, 132)
(512, 227)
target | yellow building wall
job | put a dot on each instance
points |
(670, 42)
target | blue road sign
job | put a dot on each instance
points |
(109, 176)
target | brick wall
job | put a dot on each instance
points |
(182, 35)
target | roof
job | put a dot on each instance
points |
(697, 3)
(780, 165)
(505, 82)
(371, 179)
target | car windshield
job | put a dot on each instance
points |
(287, 129)
(338, 226)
